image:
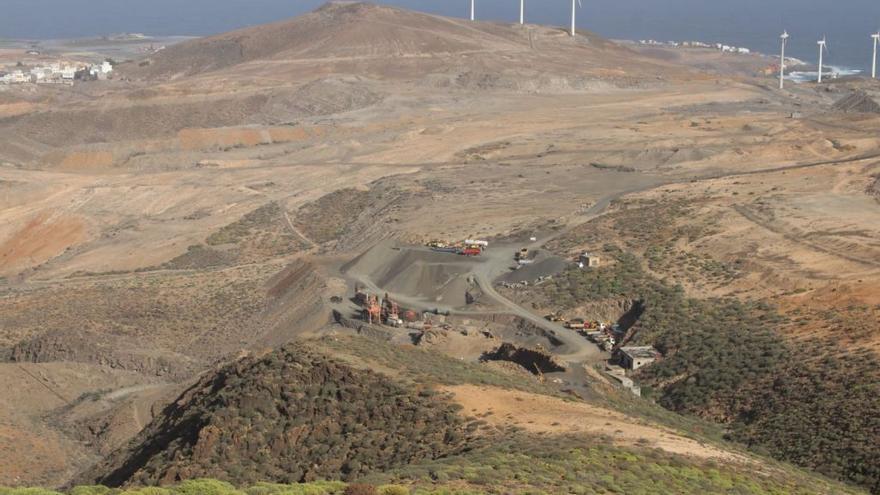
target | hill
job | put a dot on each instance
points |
(338, 29)
(342, 32)
(290, 416)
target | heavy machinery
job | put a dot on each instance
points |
(390, 312)
(371, 311)
(521, 254)
(471, 251)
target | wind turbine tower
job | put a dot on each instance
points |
(522, 12)
(574, 5)
(876, 37)
(822, 48)
(784, 38)
(473, 10)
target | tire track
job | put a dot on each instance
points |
(748, 215)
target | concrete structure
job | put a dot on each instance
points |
(588, 260)
(635, 357)
(619, 375)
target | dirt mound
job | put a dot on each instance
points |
(426, 275)
(415, 274)
(857, 102)
(292, 415)
(296, 305)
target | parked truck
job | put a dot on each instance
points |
(470, 251)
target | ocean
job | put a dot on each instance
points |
(754, 24)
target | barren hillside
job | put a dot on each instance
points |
(227, 196)
(346, 31)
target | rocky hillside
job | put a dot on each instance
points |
(292, 415)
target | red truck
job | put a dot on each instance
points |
(471, 251)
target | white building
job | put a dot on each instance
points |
(102, 71)
(16, 77)
(68, 73)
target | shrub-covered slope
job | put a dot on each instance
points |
(292, 415)
(726, 361)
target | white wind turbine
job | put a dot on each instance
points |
(823, 47)
(574, 7)
(522, 12)
(473, 10)
(876, 37)
(784, 38)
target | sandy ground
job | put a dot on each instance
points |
(549, 415)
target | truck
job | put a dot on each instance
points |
(470, 251)
(575, 325)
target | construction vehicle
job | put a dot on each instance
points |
(575, 324)
(521, 254)
(539, 373)
(438, 244)
(476, 243)
(470, 251)
(555, 317)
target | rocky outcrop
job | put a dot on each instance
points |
(534, 360)
(102, 349)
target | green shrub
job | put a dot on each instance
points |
(314, 488)
(93, 490)
(205, 486)
(27, 491)
(360, 489)
(147, 490)
(393, 490)
(726, 360)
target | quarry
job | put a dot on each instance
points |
(370, 245)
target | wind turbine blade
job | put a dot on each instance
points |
(580, 4)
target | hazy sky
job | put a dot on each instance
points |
(753, 23)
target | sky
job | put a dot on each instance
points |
(754, 24)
